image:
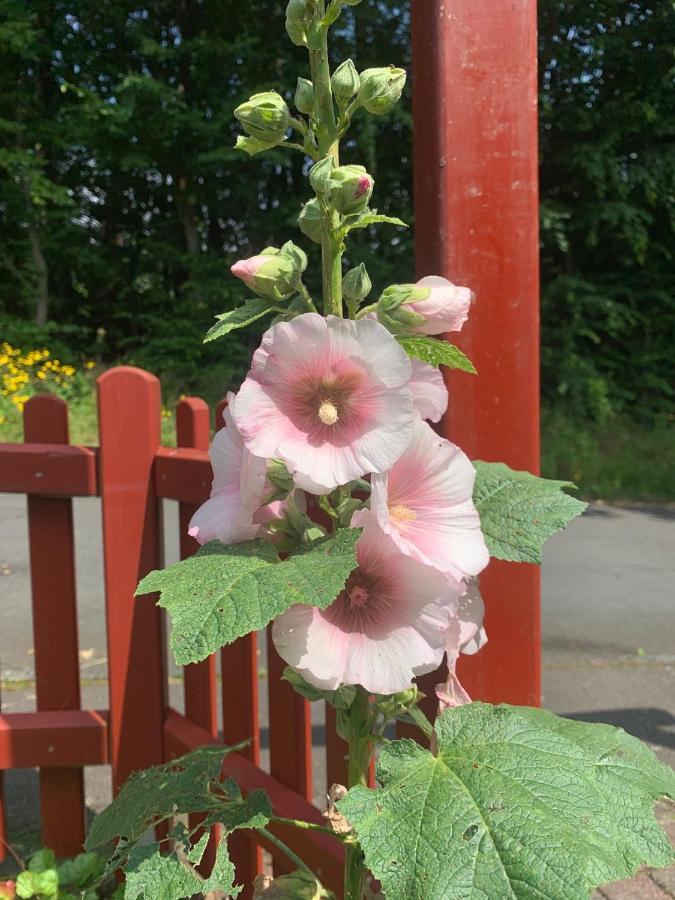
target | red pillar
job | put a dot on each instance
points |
(476, 220)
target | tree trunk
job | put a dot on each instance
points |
(40, 263)
(187, 213)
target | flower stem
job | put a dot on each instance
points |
(359, 740)
(329, 145)
(308, 826)
(294, 858)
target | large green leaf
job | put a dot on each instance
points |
(251, 311)
(191, 783)
(225, 592)
(435, 352)
(517, 804)
(519, 511)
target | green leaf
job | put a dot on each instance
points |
(253, 309)
(225, 592)
(299, 885)
(519, 511)
(370, 218)
(151, 875)
(342, 698)
(518, 803)
(189, 784)
(435, 352)
(37, 884)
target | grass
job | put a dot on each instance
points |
(614, 461)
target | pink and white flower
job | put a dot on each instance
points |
(387, 625)
(465, 634)
(237, 492)
(424, 503)
(430, 395)
(446, 308)
(330, 397)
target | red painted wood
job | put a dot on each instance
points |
(60, 471)
(193, 430)
(321, 852)
(3, 811)
(183, 474)
(129, 423)
(62, 738)
(57, 670)
(241, 720)
(476, 215)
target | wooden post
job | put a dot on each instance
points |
(476, 215)
(129, 423)
(57, 674)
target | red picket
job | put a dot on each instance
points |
(193, 430)
(241, 720)
(199, 680)
(57, 671)
(476, 220)
(130, 428)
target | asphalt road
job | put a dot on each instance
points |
(608, 626)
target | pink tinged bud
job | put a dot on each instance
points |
(445, 308)
(246, 268)
(364, 186)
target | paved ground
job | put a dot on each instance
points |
(608, 635)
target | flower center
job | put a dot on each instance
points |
(328, 412)
(401, 514)
(358, 596)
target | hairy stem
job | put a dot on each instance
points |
(359, 763)
(308, 826)
(279, 844)
(329, 145)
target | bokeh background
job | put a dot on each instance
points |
(123, 204)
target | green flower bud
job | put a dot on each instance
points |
(265, 118)
(357, 285)
(345, 82)
(352, 187)
(381, 89)
(320, 176)
(390, 311)
(304, 96)
(310, 220)
(296, 253)
(299, 14)
(274, 274)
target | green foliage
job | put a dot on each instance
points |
(44, 878)
(617, 460)
(224, 592)
(517, 803)
(435, 352)
(191, 783)
(607, 123)
(250, 312)
(519, 511)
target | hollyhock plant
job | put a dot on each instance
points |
(368, 585)
(430, 395)
(329, 397)
(424, 503)
(239, 486)
(387, 625)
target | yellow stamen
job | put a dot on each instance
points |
(328, 412)
(401, 514)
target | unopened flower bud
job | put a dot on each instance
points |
(345, 82)
(357, 284)
(272, 275)
(298, 19)
(352, 188)
(445, 306)
(265, 118)
(381, 89)
(304, 96)
(393, 309)
(310, 221)
(296, 253)
(320, 176)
